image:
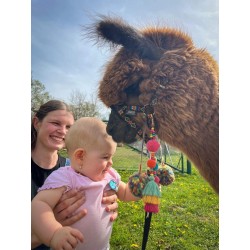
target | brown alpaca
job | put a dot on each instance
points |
(161, 63)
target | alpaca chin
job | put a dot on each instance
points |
(119, 136)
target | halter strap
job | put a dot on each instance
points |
(126, 111)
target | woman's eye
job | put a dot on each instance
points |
(55, 123)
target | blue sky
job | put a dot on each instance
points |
(63, 61)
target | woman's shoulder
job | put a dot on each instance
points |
(65, 170)
(58, 178)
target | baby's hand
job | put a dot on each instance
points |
(66, 238)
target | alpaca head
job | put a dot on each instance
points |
(120, 130)
(129, 119)
(148, 64)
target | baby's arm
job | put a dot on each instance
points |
(43, 221)
(124, 193)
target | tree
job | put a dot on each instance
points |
(38, 95)
(78, 102)
(81, 107)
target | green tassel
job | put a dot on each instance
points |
(151, 188)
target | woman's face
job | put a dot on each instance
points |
(52, 129)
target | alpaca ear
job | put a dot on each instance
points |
(118, 32)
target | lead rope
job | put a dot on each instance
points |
(151, 192)
(142, 144)
(146, 229)
(147, 219)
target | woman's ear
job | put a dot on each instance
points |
(35, 122)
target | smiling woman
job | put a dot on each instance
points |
(49, 127)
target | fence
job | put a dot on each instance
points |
(134, 157)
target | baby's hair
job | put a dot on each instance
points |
(87, 133)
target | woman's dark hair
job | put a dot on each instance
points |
(44, 109)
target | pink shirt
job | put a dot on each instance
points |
(95, 226)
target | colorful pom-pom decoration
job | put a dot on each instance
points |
(151, 196)
(153, 145)
(137, 183)
(148, 185)
(151, 163)
(156, 167)
(166, 175)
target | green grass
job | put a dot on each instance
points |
(188, 216)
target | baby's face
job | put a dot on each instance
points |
(97, 162)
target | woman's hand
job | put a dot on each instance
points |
(65, 209)
(73, 199)
(110, 198)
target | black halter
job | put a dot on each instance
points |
(126, 112)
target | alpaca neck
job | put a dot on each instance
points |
(197, 140)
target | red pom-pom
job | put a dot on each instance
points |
(153, 145)
(151, 163)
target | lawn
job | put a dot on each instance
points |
(188, 217)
